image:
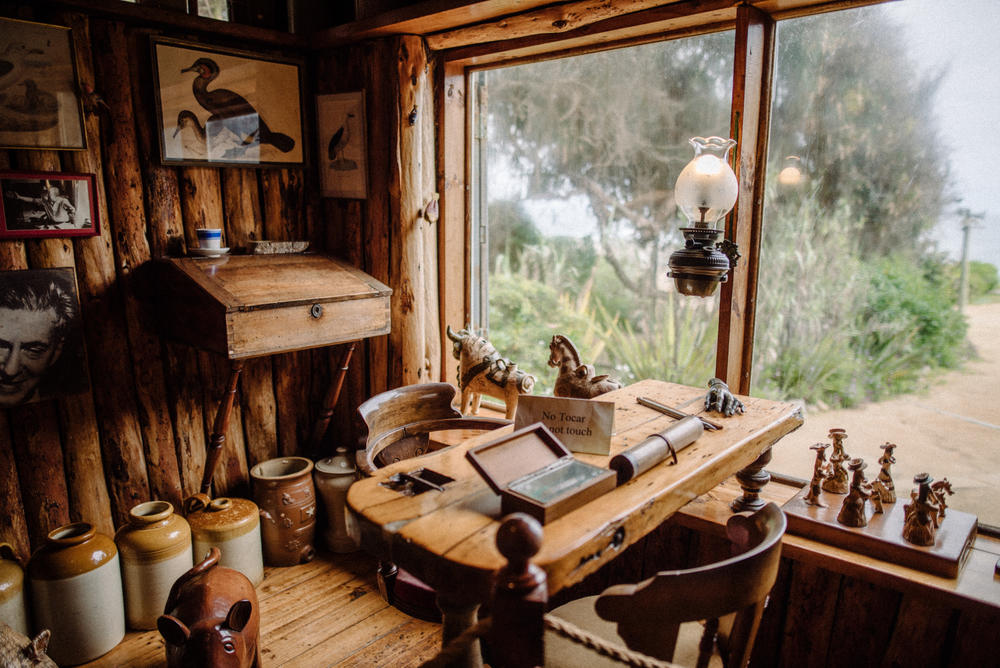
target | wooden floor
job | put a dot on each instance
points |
(324, 613)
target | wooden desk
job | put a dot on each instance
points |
(447, 538)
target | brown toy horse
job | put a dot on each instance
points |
(211, 619)
(575, 379)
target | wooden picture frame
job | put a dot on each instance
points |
(343, 154)
(41, 106)
(40, 321)
(48, 204)
(225, 107)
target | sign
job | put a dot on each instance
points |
(582, 425)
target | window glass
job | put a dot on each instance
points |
(575, 161)
(882, 139)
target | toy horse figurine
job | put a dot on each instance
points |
(575, 379)
(481, 370)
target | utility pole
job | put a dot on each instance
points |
(968, 220)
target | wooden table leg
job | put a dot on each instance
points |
(330, 400)
(457, 615)
(220, 427)
(752, 480)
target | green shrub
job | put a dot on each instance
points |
(983, 279)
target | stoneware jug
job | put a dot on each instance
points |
(76, 592)
(283, 488)
(12, 608)
(155, 549)
(333, 477)
(233, 526)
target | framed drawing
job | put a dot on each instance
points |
(39, 102)
(41, 335)
(224, 107)
(47, 204)
(342, 153)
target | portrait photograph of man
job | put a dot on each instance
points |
(41, 343)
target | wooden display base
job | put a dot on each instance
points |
(883, 537)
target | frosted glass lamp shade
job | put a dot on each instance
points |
(706, 188)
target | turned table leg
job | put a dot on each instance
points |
(752, 480)
(220, 427)
(330, 399)
(459, 614)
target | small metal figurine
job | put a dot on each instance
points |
(920, 523)
(820, 471)
(852, 513)
(941, 489)
(720, 399)
(836, 482)
(888, 489)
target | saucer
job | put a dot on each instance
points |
(208, 252)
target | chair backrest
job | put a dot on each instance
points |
(399, 422)
(649, 613)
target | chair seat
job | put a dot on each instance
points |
(561, 652)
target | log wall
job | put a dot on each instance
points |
(141, 431)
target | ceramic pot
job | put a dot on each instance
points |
(283, 488)
(233, 526)
(333, 476)
(76, 592)
(13, 612)
(155, 549)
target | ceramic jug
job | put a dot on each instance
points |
(233, 526)
(12, 609)
(283, 488)
(76, 592)
(333, 477)
(155, 549)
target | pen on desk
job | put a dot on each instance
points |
(673, 412)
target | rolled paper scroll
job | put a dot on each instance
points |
(655, 448)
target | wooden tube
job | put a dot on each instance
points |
(655, 448)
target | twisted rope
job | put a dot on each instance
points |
(574, 633)
(458, 645)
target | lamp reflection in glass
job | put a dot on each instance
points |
(705, 192)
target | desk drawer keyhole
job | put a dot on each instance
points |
(316, 311)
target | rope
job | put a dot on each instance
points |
(458, 645)
(575, 634)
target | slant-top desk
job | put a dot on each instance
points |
(446, 538)
(244, 306)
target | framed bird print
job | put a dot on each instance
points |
(343, 166)
(40, 104)
(224, 107)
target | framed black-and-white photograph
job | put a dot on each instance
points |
(47, 204)
(41, 338)
(225, 107)
(40, 105)
(342, 153)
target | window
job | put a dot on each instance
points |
(883, 144)
(575, 163)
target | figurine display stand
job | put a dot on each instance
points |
(881, 534)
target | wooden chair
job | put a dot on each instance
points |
(649, 616)
(400, 423)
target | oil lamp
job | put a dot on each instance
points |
(705, 192)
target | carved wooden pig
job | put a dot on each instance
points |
(17, 651)
(211, 619)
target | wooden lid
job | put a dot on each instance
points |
(506, 459)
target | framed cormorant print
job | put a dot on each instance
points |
(40, 105)
(224, 107)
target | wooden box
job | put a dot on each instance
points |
(536, 474)
(252, 305)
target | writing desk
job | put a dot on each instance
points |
(446, 538)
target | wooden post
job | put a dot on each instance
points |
(13, 528)
(407, 277)
(520, 596)
(433, 331)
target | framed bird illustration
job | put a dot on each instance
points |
(225, 107)
(342, 159)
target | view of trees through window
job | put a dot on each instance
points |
(875, 167)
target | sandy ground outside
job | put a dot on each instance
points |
(950, 430)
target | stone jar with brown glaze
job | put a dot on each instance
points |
(283, 488)
(76, 591)
(155, 549)
(13, 612)
(233, 526)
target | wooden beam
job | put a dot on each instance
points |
(753, 65)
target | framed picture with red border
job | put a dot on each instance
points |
(47, 204)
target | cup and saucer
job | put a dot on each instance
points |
(210, 243)
(208, 252)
